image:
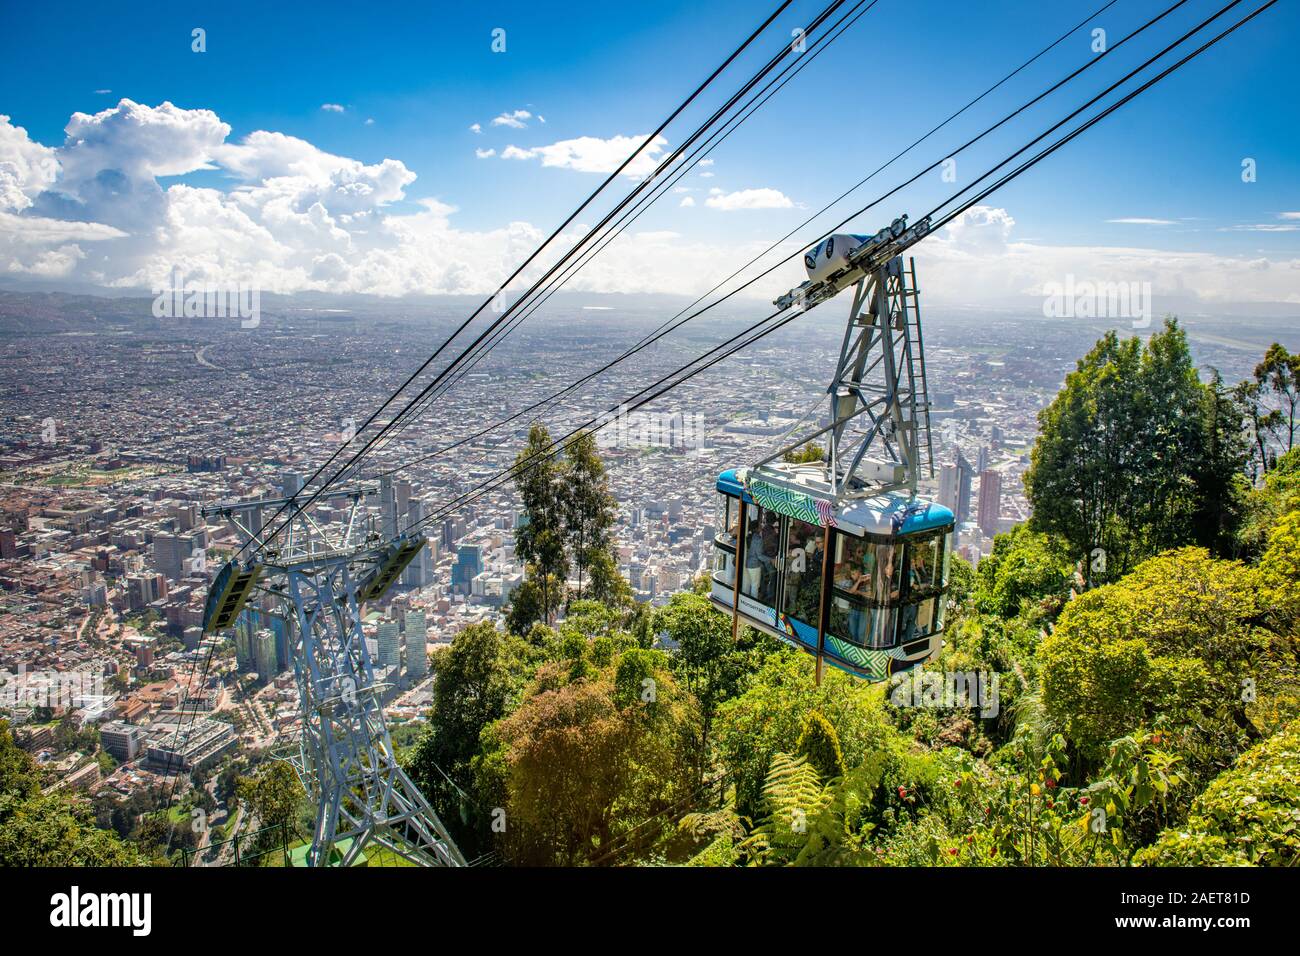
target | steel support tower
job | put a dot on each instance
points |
(319, 575)
(878, 393)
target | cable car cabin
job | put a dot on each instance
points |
(863, 580)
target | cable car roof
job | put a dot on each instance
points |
(889, 514)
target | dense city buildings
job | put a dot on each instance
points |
(113, 443)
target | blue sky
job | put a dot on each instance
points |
(425, 73)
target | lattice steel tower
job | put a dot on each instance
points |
(320, 575)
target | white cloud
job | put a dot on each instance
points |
(1139, 221)
(103, 92)
(705, 162)
(515, 120)
(591, 154)
(1262, 227)
(370, 121)
(26, 168)
(977, 260)
(332, 107)
(485, 153)
(475, 128)
(289, 216)
(706, 175)
(748, 199)
(1288, 215)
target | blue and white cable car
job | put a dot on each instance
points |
(861, 585)
(841, 558)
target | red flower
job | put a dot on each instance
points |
(993, 851)
(970, 838)
(1051, 784)
(1083, 801)
(902, 792)
(953, 851)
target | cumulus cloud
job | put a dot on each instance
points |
(976, 260)
(485, 153)
(332, 107)
(26, 168)
(517, 119)
(591, 154)
(105, 207)
(748, 199)
(476, 128)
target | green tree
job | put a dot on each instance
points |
(588, 509)
(1245, 817)
(53, 830)
(809, 454)
(1272, 398)
(539, 539)
(472, 688)
(1135, 455)
(711, 665)
(1023, 566)
(586, 760)
(1169, 645)
(274, 795)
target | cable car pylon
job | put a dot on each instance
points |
(840, 558)
(318, 575)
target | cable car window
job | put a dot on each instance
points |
(762, 550)
(947, 556)
(830, 246)
(868, 570)
(924, 567)
(801, 593)
(724, 567)
(728, 519)
(862, 624)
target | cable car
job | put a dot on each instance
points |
(860, 583)
(841, 558)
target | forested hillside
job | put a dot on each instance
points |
(1117, 686)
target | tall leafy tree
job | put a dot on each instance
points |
(1271, 397)
(539, 539)
(472, 688)
(588, 509)
(1135, 455)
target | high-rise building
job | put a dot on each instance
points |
(290, 483)
(390, 644)
(990, 501)
(417, 642)
(143, 589)
(965, 478)
(264, 655)
(402, 498)
(468, 566)
(419, 573)
(173, 553)
(387, 508)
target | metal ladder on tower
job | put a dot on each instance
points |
(909, 297)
